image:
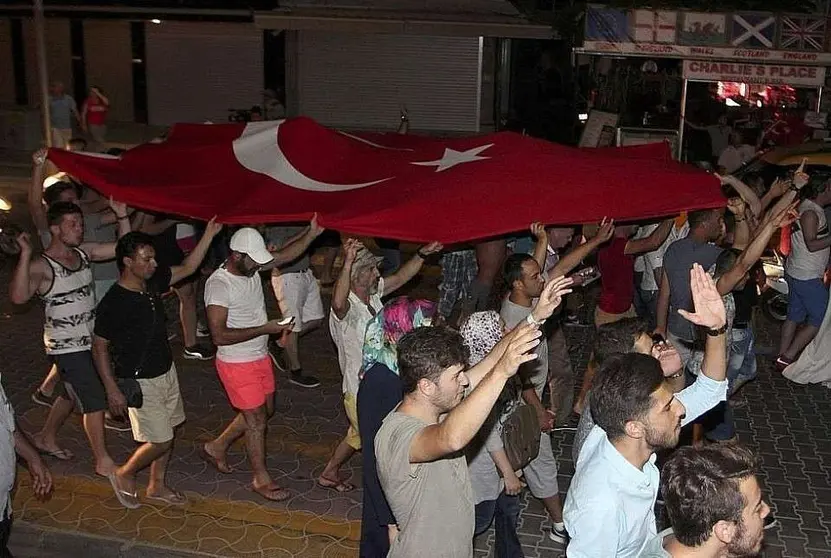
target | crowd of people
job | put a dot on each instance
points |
(451, 403)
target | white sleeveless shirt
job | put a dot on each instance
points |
(802, 264)
(69, 308)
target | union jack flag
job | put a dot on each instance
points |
(800, 32)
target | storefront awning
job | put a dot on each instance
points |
(460, 18)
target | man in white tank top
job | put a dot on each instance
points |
(804, 271)
(62, 278)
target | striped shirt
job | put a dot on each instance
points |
(70, 308)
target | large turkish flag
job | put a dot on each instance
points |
(389, 185)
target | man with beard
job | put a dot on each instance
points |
(609, 510)
(356, 299)
(421, 466)
(714, 503)
(62, 278)
(240, 328)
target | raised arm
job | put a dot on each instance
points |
(28, 275)
(294, 249)
(541, 246)
(746, 193)
(550, 298)
(755, 249)
(463, 422)
(651, 242)
(710, 314)
(411, 268)
(573, 258)
(103, 251)
(192, 261)
(662, 310)
(35, 198)
(340, 293)
(741, 235)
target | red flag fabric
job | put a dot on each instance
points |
(389, 185)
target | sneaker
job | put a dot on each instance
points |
(770, 522)
(558, 534)
(299, 379)
(278, 356)
(202, 330)
(42, 399)
(198, 352)
(118, 424)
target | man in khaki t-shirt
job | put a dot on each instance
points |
(420, 463)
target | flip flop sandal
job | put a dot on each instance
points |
(59, 454)
(174, 499)
(336, 485)
(279, 494)
(213, 461)
(126, 499)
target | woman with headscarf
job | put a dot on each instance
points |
(379, 393)
(496, 487)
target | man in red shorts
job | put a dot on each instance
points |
(240, 328)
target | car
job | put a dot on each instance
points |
(779, 162)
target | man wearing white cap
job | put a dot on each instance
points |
(355, 300)
(240, 328)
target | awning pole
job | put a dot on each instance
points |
(819, 98)
(683, 118)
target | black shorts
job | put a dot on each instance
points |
(81, 380)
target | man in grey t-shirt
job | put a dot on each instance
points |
(674, 293)
(421, 466)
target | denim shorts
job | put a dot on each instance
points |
(807, 301)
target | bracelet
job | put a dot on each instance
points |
(717, 332)
(738, 220)
(531, 321)
(420, 255)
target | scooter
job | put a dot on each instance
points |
(774, 290)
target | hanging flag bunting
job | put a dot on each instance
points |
(606, 24)
(654, 26)
(703, 29)
(803, 32)
(754, 30)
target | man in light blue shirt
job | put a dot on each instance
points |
(62, 109)
(609, 509)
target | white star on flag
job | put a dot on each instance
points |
(451, 158)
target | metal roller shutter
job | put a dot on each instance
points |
(361, 81)
(58, 56)
(6, 64)
(197, 71)
(108, 57)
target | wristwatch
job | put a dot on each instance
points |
(531, 321)
(717, 332)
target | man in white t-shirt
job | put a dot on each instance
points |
(355, 300)
(240, 328)
(653, 263)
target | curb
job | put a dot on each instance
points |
(210, 526)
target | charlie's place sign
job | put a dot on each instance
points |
(716, 53)
(705, 70)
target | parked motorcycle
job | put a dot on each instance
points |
(774, 301)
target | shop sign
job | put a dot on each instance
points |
(745, 72)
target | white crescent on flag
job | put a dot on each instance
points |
(258, 150)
